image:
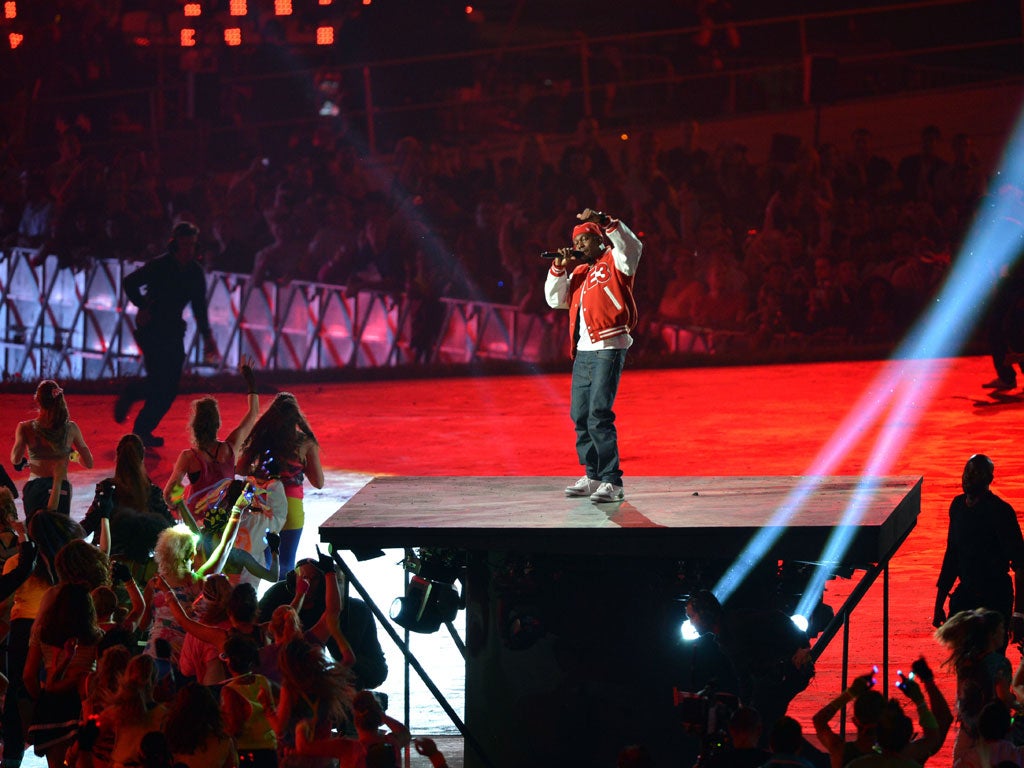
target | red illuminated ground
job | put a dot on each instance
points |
(731, 421)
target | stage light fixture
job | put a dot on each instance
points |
(233, 36)
(426, 606)
(282, 7)
(430, 599)
(325, 36)
(193, 9)
(10, 10)
(187, 37)
(238, 8)
(15, 39)
(800, 621)
(688, 632)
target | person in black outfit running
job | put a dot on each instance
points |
(161, 289)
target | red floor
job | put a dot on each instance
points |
(730, 421)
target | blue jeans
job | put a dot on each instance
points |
(595, 381)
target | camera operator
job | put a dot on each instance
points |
(709, 666)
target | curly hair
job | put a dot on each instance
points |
(80, 562)
(204, 421)
(193, 718)
(329, 686)
(71, 615)
(969, 636)
(174, 551)
(130, 475)
(280, 431)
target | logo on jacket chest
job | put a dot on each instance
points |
(599, 274)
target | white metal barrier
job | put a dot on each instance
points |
(64, 324)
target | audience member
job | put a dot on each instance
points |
(281, 446)
(975, 640)
(133, 504)
(745, 729)
(354, 620)
(47, 444)
(195, 730)
(211, 461)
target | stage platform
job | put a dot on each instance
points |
(601, 586)
(672, 516)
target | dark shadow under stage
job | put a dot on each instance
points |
(573, 607)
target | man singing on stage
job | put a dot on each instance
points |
(595, 283)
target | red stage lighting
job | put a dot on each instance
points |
(325, 35)
(10, 9)
(238, 7)
(324, 2)
(282, 7)
(15, 39)
(233, 36)
(193, 9)
(188, 37)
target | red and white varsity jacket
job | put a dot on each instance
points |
(603, 291)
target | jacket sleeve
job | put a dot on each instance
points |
(556, 288)
(134, 283)
(626, 247)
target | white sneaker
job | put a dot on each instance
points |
(583, 487)
(608, 492)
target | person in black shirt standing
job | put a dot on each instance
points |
(161, 289)
(983, 543)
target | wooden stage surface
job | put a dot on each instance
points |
(671, 516)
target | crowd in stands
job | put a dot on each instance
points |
(828, 243)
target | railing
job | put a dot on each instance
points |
(59, 323)
(652, 78)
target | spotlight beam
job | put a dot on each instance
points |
(991, 247)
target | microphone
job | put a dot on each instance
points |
(578, 255)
